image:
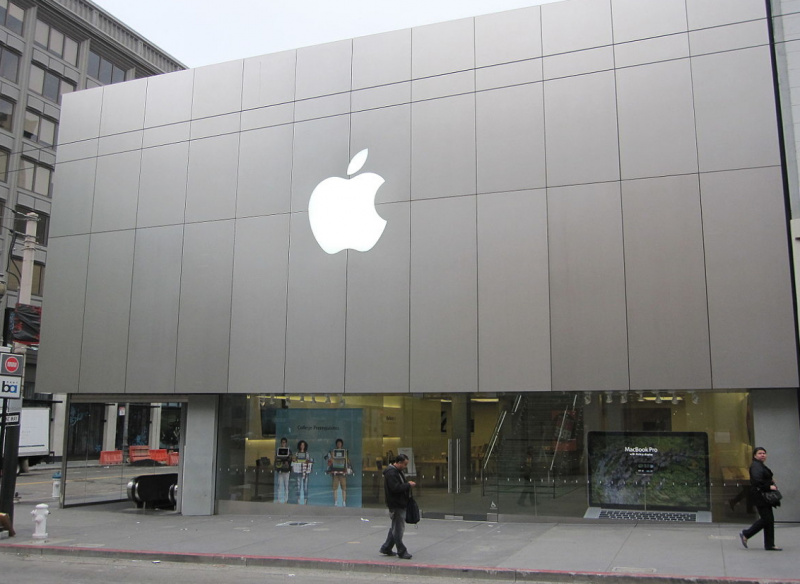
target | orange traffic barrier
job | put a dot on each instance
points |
(159, 455)
(110, 457)
(174, 458)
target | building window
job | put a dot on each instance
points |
(104, 70)
(9, 63)
(33, 176)
(42, 225)
(39, 128)
(38, 276)
(4, 154)
(56, 42)
(6, 114)
(48, 84)
(11, 16)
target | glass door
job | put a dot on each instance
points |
(448, 445)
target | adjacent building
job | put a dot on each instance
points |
(575, 292)
(49, 48)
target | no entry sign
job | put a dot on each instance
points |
(11, 364)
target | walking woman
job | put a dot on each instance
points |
(761, 482)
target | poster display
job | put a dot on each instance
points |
(328, 473)
(649, 470)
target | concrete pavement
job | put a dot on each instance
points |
(558, 552)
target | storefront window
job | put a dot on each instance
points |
(478, 456)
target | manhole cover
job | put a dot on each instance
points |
(629, 570)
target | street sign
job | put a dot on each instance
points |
(10, 387)
(12, 419)
(11, 364)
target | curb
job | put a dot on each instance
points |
(405, 569)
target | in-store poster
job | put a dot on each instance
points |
(320, 428)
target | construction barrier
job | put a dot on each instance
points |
(108, 457)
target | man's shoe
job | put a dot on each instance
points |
(404, 556)
(387, 552)
(743, 539)
(774, 549)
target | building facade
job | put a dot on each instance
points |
(577, 291)
(49, 48)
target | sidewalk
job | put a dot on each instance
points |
(563, 552)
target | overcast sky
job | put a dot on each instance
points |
(203, 32)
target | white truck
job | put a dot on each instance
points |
(34, 437)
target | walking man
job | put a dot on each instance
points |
(397, 490)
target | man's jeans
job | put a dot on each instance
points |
(395, 537)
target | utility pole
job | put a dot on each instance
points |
(12, 407)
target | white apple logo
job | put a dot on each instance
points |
(342, 211)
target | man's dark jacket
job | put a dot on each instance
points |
(395, 487)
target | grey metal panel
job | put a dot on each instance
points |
(123, 107)
(581, 117)
(665, 284)
(265, 171)
(169, 98)
(727, 38)
(510, 130)
(444, 303)
(321, 107)
(324, 69)
(211, 187)
(635, 20)
(578, 62)
(162, 185)
(116, 191)
(444, 47)
(154, 310)
(750, 305)
(58, 369)
(217, 89)
(161, 135)
(510, 74)
(377, 353)
(204, 321)
(443, 147)
(587, 288)
(443, 85)
(321, 150)
(386, 133)
(80, 116)
(258, 314)
(508, 36)
(708, 13)
(315, 333)
(108, 302)
(381, 59)
(215, 126)
(73, 196)
(513, 292)
(656, 120)
(269, 79)
(117, 143)
(666, 48)
(75, 150)
(385, 95)
(746, 126)
(264, 117)
(575, 25)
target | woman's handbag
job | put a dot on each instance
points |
(412, 511)
(773, 498)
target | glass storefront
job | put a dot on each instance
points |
(108, 444)
(489, 457)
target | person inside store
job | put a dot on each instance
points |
(761, 482)
(339, 467)
(301, 467)
(397, 491)
(283, 470)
